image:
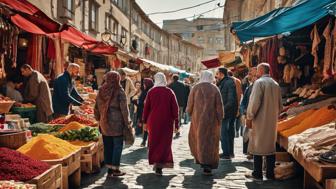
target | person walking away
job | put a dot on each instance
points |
(239, 91)
(147, 85)
(229, 97)
(180, 92)
(262, 117)
(37, 92)
(127, 85)
(243, 108)
(160, 113)
(65, 93)
(206, 109)
(112, 113)
(134, 107)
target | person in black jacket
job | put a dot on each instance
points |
(181, 94)
(227, 89)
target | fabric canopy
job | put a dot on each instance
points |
(33, 14)
(212, 63)
(149, 63)
(129, 71)
(26, 25)
(282, 20)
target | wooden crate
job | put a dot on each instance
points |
(50, 179)
(101, 149)
(71, 169)
(90, 158)
(13, 140)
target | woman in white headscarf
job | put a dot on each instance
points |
(206, 109)
(160, 114)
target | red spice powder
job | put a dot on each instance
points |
(18, 167)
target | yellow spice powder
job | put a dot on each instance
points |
(47, 147)
(72, 126)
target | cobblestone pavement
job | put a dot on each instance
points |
(186, 174)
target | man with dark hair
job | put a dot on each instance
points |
(239, 92)
(37, 92)
(180, 91)
(227, 88)
(262, 117)
(127, 85)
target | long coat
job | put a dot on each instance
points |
(263, 109)
(206, 109)
(180, 92)
(37, 91)
(160, 113)
(227, 89)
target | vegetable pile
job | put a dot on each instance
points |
(71, 118)
(47, 147)
(18, 167)
(39, 128)
(15, 185)
(84, 134)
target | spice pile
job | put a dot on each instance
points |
(47, 147)
(71, 126)
(18, 167)
(71, 118)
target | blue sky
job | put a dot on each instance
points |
(150, 6)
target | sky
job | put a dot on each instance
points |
(150, 6)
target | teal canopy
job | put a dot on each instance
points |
(286, 19)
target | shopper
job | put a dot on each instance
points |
(206, 109)
(65, 93)
(239, 91)
(181, 94)
(147, 85)
(127, 85)
(134, 107)
(112, 112)
(160, 113)
(262, 116)
(229, 96)
(252, 76)
(37, 92)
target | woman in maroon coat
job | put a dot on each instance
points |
(160, 114)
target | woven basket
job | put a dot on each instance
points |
(5, 106)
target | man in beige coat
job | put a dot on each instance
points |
(37, 92)
(206, 109)
(127, 85)
(262, 117)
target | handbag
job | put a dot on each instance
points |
(129, 135)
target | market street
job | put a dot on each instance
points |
(186, 174)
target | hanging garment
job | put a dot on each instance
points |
(316, 41)
(327, 52)
(333, 59)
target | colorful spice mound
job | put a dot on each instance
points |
(18, 167)
(84, 134)
(80, 143)
(71, 118)
(72, 126)
(47, 147)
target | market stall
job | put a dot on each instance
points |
(301, 53)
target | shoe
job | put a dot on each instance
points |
(158, 171)
(249, 156)
(232, 156)
(253, 177)
(109, 172)
(270, 177)
(225, 157)
(177, 135)
(207, 172)
(143, 144)
(117, 173)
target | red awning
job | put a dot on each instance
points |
(212, 63)
(26, 25)
(82, 40)
(33, 14)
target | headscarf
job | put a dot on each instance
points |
(109, 89)
(206, 77)
(160, 80)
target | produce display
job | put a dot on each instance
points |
(80, 143)
(15, 185)
(71, 118)
(84, 134)
(28, 105)
(40, 128)
(18, 167)
(71, 126)
(47, 147)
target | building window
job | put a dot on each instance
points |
(115, 30)
(200, 40)
(210, 40)
(199, 28)
(66, 9)
(93, 16)
(123, 35)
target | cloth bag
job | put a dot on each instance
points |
(129, 135)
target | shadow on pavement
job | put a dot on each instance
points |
(152, 181)
(134, 156)
(113, 183)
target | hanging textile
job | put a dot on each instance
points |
(327, 51)
(271, 59)
(58, 62)
(333, 59)
(314, 35)
(34, 55)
